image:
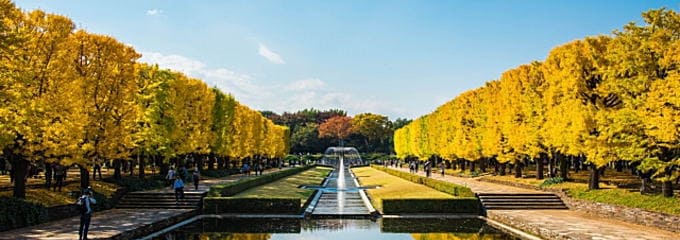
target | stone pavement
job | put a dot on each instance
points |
(567, 224)
(557, 224)
(114, 223)
(104, 225)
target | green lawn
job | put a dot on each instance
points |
(392, 187)
(609, 194)
(289, 187)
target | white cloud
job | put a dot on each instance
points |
(258, 94)
(154, 12)
(314, 93)
(305, 84)
(239, 84)
(270, 55)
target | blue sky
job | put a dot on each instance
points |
(397, 58)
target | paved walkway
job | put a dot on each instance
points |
(474, 185)
(115, 222)
(558, 224)
(106, 224)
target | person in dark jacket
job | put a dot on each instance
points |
(85, 203)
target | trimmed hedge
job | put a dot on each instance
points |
(442, 186)
(459, 205)
(232, 188)
(16, 213)
(218, 205)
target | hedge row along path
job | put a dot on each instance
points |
(557, 224)
(117, 223)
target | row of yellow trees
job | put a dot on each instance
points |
(72, 97)
(603, 98)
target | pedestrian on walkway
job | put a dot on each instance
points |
(184, 173)
(427, 167)
(97, 168)
(85, 204)
(442, 167)
(48, 175)
(196, 177)
(170, 176)
(178, 185)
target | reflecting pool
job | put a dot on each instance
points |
(335, 229)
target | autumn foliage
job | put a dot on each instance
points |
(69, 97)
(600, 99)
(338, 127)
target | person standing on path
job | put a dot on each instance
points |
(85, 204)
(442, 167)
(178, 185)
(196, 177)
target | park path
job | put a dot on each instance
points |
(116, 223)
(557, 224)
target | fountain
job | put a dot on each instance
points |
(341, 195)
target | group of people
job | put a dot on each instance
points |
(176, 180)
(57, 173)
(257, 167)
(427, 166)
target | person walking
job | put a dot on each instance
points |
(427, 167)
(85, 203)
(170, 176)
(178, 185)
(48, 175)
(196, 177)
(97, 168)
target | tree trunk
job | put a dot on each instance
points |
(19, 166)
(482, 164)
(220, 162)
(84, 177)
(142, 165)
(551, 167)
(667, 186)
(619, 166)
(496, 169)
(594, 181)
(472, 166)
(117, 169)
(644, 188)
(503, 165)
(462, 165)
(518, 170)
(539, 167)
(564, 168)
(164, 167)
(211, 163)
(131, 167)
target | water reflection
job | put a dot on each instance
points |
(335, 229)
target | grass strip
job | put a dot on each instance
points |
(392, 187)
(289, 187)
